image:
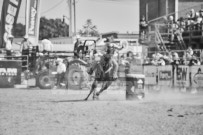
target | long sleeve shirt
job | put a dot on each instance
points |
(8, 45)
(61, 68)
(47, 45)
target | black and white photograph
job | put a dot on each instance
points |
(101, 67)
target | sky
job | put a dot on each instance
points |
(108, 15)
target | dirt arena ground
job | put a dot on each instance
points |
(62, 112)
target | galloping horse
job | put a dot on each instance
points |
(105, 71)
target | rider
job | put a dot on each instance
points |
(106, 70)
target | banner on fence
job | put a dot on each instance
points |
(196, 76)
(165, 75)
(10, 73)
(181, 75)
(150, 73)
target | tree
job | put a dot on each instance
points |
(50, 28)
(19, 30)
(89, 29)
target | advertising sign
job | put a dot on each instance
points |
(9, 15)
(33, 21)
(196, 76)
(10, 73)
(182, 76)
(150, 73)
(165, 75)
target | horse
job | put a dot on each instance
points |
(106, 72)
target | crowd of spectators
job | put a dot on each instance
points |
(193, 21)
(187, 57)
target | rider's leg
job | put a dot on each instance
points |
(94, 86)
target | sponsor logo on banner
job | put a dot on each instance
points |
(8, 71)
(150, 75)
(165, 75)
(182, 76)
(9, 16)
(197, 76)
(32, 29)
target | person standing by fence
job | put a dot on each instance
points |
(47, 46)
(143, 28)
(9, 46)
(61, 70)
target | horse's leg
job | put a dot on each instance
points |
(94, 86)
(105, 85)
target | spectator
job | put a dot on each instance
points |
(172, 28)
(129, 56)
(198, 21)
(192, 14)
(176, 59)
(167, 58)
(9, 46)
(61, 69)
(194, 61)
(25, 46)
(76, 45)
(188, 57)
(161, 62)
(147, 61)
(143, 27)
(190, 51)
(47, 46)
(155, 59)
(181, 24)
(192, 19)
(187, 21)
(201, 13)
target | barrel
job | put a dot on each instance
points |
(135, 86)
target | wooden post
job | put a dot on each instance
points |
(70, 14)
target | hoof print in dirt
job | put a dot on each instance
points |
(170, 110)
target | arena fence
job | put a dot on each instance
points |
(174, 76)
(11, 69)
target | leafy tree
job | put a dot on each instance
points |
(50, 28)
(89, 29)
(19, 30)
